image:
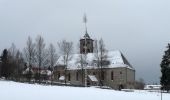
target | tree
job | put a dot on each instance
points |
(100, 54)
(12, 51)
(8, 62)
(15, 62)
(81, 61)
(53, 57)
(140, 84)
(165, 70)
(29, 53)
(4, 68)
(40, 54)
(66, 49)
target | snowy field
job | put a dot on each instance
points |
(21, 91)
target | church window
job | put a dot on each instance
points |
(83, 50)
(102, 75)
(88, 50)
(69, 77)
(112, 75)
(77, 76)
(58, 75)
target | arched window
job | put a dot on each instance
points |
(83, 50)
(102, 75)
(88, 50)
(58, 75)
(112, 75)
(69, 77)
(77, 76)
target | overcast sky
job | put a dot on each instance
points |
(140, 29)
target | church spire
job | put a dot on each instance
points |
(85, 24)
(86, 43)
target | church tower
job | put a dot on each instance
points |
(86, 43)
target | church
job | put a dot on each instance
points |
(83, 70)
(86, 69)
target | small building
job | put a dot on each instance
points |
(152, 87)
(45, 73)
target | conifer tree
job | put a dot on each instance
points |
(165, 69)
(4, 59)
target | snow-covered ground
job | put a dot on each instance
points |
(20, 91)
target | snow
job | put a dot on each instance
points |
(62, 78)
(27, 70)
(93, 78)
(114, 57)
(20, 91)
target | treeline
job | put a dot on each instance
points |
(35, 54)
(11, 64)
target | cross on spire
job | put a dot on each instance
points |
(85, 23)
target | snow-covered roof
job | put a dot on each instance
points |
(92, 78)
(86, 36)
(62, 78)
(46, 72)
(42, 71)
(115, 58)
(27, 71)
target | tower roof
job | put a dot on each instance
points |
(87, 36)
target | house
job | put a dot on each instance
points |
(152, 87)
(45, 73)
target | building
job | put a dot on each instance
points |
(83, 68)
(152, 87)
(34, 73)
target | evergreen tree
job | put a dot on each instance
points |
(165, 69)
(4, 69)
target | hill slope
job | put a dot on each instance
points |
(20, 91)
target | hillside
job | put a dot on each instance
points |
(20, 91)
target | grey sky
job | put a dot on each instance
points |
(139, 28)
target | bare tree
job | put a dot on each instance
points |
(81, 61)
(139, 84)
(66, 49)
(29, 55)
(29, 52)
(15, 61)
(12, 50)
(19, 63)
(101, 58)
(53, 57)
(97, 61)
(41, 54)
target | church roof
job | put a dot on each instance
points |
(115, 58)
